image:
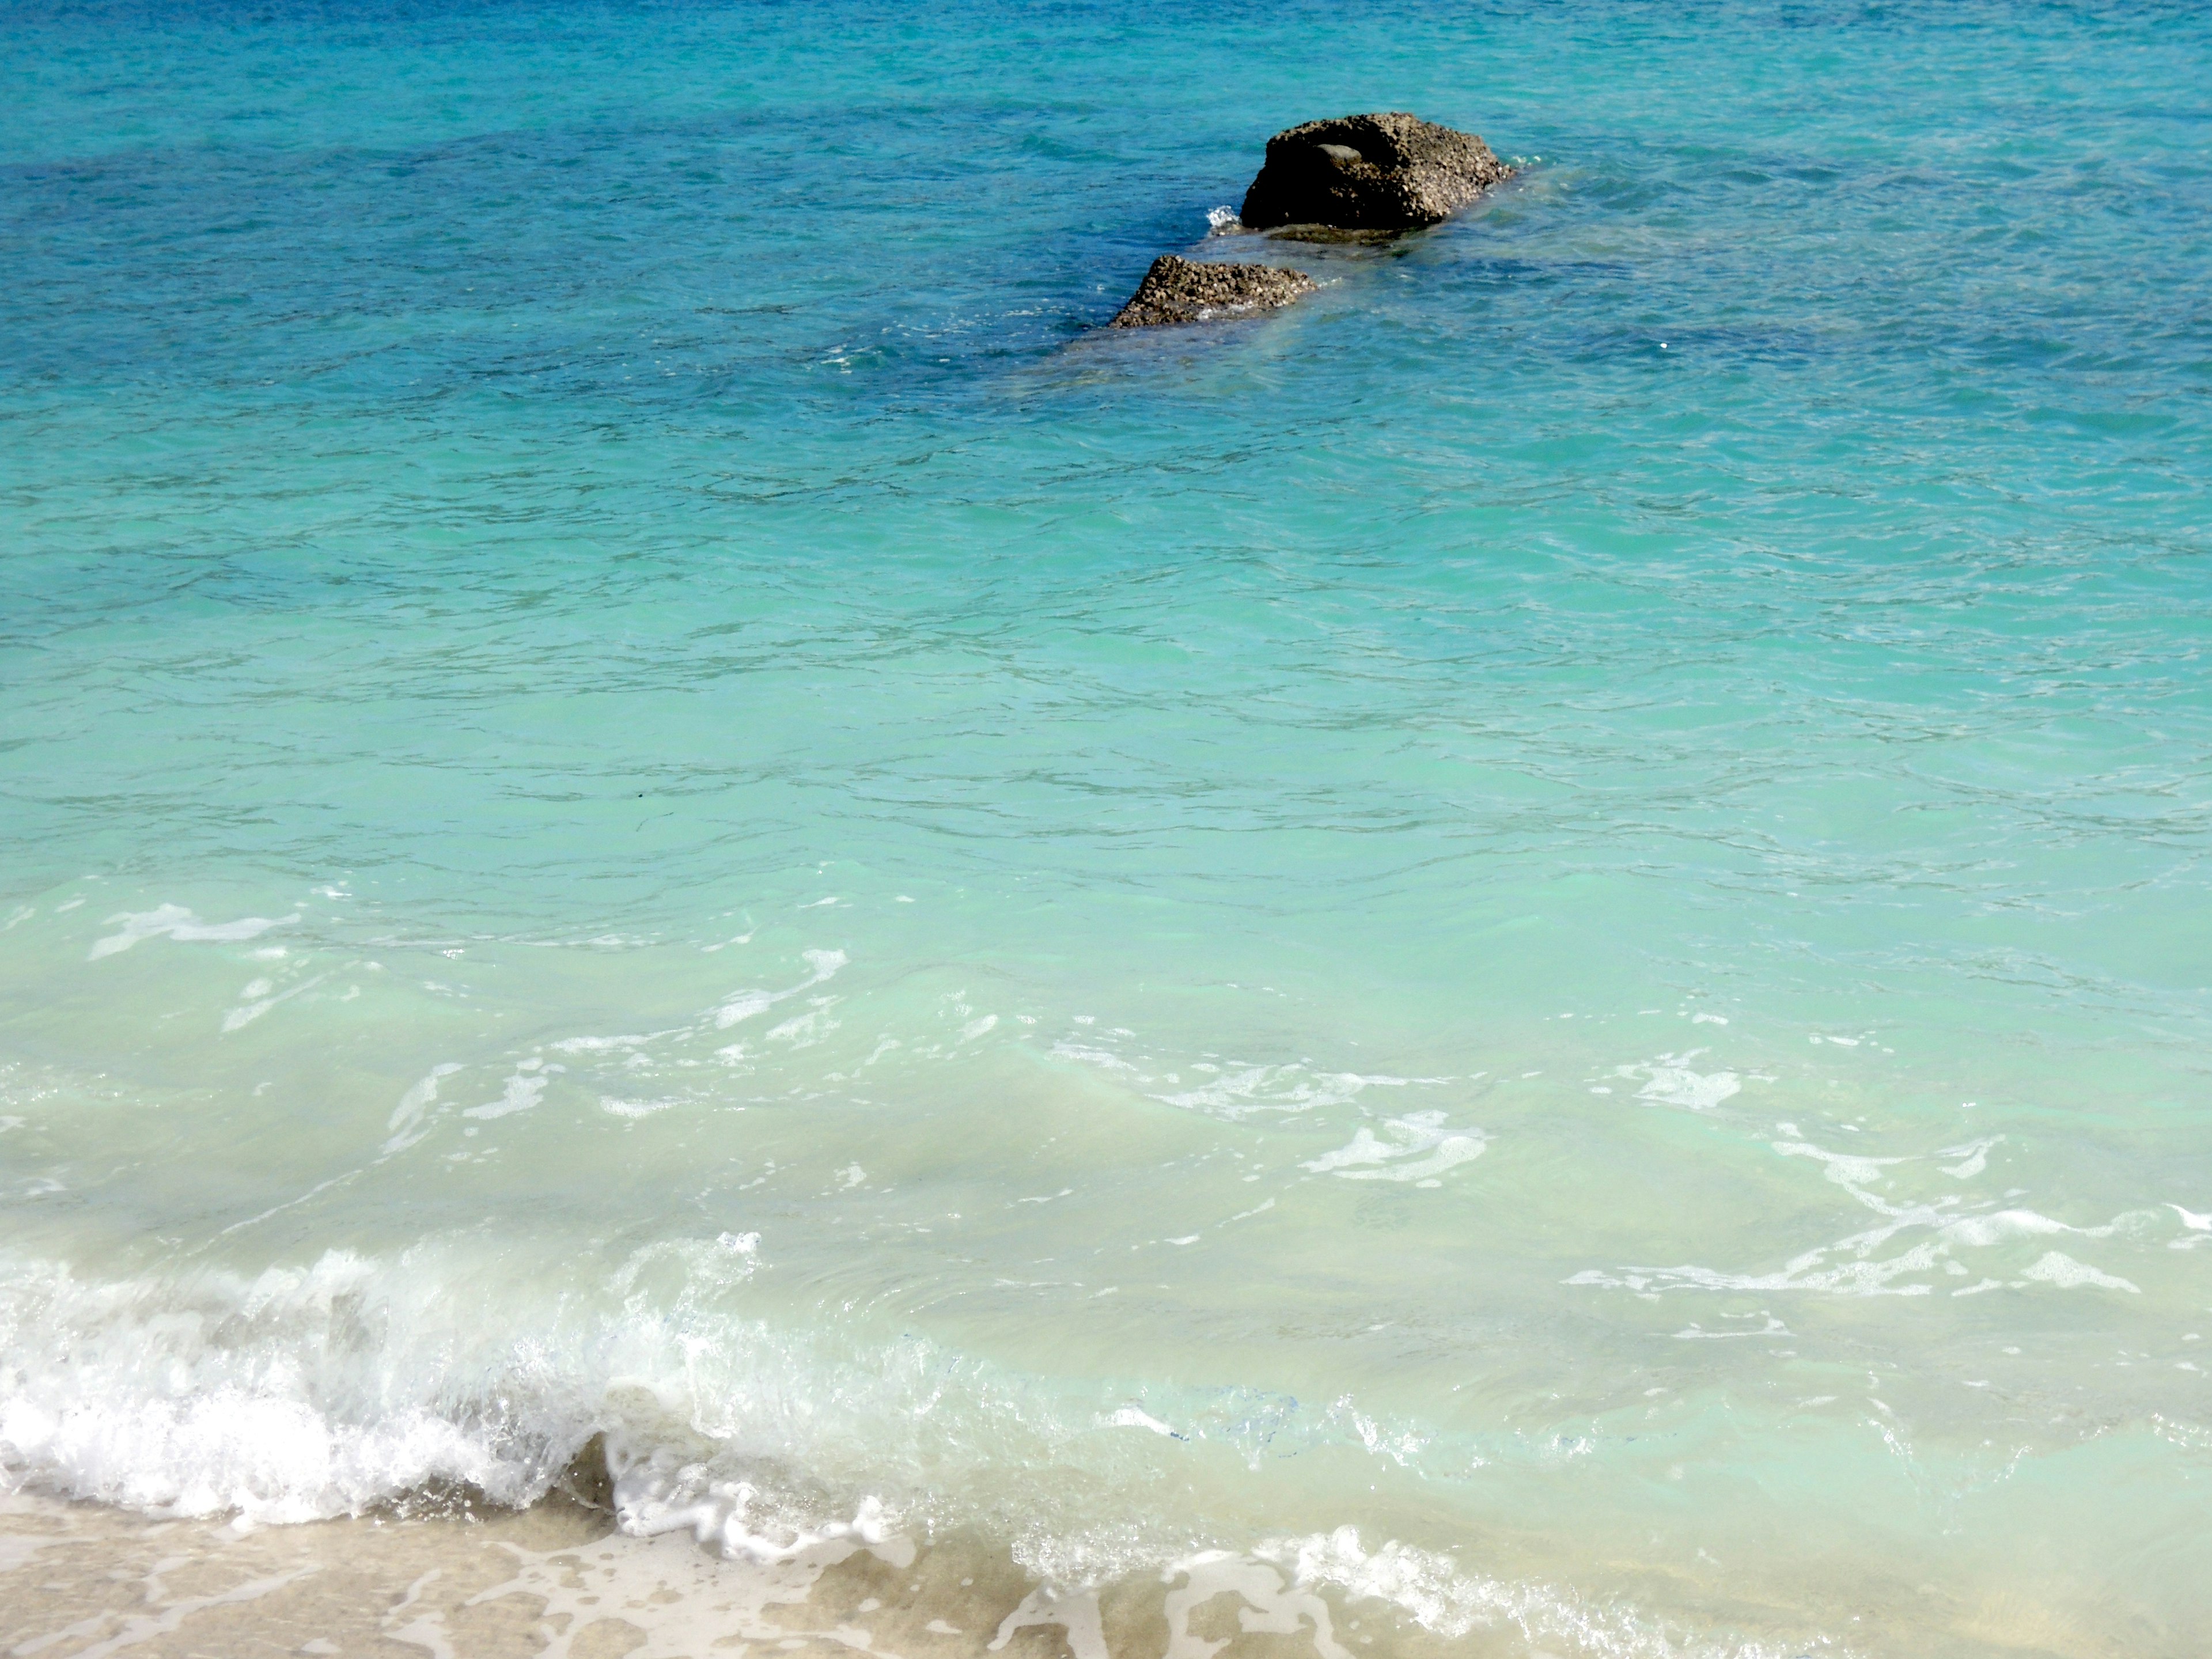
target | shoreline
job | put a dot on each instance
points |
(561, 1579)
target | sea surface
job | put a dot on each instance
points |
(1525, 954)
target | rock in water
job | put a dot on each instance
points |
(1177, 290)
(1386, 172)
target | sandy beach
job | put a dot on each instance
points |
(558, 1581)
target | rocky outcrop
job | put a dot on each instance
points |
(1176, 290)
(1386, 172)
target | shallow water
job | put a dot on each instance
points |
(1527, 945)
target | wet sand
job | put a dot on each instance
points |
(558, 1580)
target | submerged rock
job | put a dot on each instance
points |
(1177, 290)
(1386, 172)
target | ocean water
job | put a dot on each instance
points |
(1516, 960)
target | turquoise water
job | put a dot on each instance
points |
(1532, 939)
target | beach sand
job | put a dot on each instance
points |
(558, 1579)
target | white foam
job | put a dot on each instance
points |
(325, 1388)
(1271, 1606)
(1431, 1587)
(636, 1108)
(1849, 1170)
(311, 1391)
(603, 1045)
(261, 1002)
(1668, 1081)
(679, 1602)
(2056, 1267)
(662, 1491)
(1444, 1598)
(1129, 1417)
(523, 1090)
(176, 922)
(804, 1031)
(1234, 1090)
(2199, 1226)
(167, 1404)
(1973, 1158)
(1416, 1132)
(419, 1099)
(1980, 1231)
(1851, 1265)
(1075, 1612)
(1293, 1088)
(744, 1005)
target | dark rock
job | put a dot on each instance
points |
(1186, 291)
(1386, 172)
(588, 1480)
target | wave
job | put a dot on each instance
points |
(356, 1384)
